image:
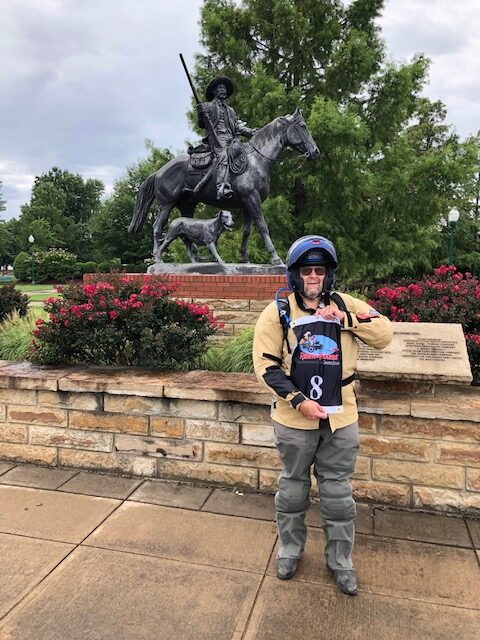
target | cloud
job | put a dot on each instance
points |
(84, 84)
(429, 26)
(17, 181)
(448, 35)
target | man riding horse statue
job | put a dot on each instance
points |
(226, 173)
(222, 126)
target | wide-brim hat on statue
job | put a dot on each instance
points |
(215, 82)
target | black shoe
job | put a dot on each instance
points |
(286, 568)
(346, 580)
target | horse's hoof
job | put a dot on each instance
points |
(244, 261)
(276, 262)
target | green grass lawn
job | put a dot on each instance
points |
(27, 288)
(40, 297)
(38, 292)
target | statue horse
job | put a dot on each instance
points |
(172, 184)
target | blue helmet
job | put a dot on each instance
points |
(311, 250)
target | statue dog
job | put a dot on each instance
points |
(198, 232)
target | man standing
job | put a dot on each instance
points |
(225, 125)
(305, 352)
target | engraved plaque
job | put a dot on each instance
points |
(419, 351)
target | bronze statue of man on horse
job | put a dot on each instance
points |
(222, 126)
(225, 173)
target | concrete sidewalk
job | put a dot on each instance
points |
(88, 556)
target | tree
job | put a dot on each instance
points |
(110, 222)
(2, 201)
(6, 240)
(82, 197)
(59, 212)
(6, 245)
(390, 167)
(467, 196)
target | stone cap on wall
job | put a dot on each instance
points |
(199, 384)
(193, 385)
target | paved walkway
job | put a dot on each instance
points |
(88, 556)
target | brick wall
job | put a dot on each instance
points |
(420, 443)
(247, 287)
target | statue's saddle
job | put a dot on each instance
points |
(201, 157)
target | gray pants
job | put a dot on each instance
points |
(333, 456)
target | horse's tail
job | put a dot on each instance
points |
(145, 197)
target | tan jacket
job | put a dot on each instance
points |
(271, 358)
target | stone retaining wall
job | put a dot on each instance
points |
(420, 443)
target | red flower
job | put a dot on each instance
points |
(89, 289)
(106, 286)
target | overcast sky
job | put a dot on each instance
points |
(83, 83)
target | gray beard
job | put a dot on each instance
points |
(312, 296)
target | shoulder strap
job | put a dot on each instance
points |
(339, 301)
(283, 306)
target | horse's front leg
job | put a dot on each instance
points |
(253, 205)
(247, 226)
(158, 225)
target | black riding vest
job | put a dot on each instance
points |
(317, 361)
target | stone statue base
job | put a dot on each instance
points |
(216, 268)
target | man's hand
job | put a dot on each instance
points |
(330, 313)
(312, 410)
(200, 109)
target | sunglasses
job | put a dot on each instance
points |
(306, 271)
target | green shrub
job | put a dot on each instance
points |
(16, 334)
(86, 267)
(473, 348)
(55, 265)
(235, 356)
(90, 267)
(123, 322)
(22, 267)
(468, 262)
(135, 267)
(12, 300)
(115, 264)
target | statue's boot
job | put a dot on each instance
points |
(224, 190)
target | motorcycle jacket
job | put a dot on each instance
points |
(278, 359)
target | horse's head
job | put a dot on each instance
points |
(299, 137)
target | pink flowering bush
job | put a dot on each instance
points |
(121, 321)
(445, 296)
